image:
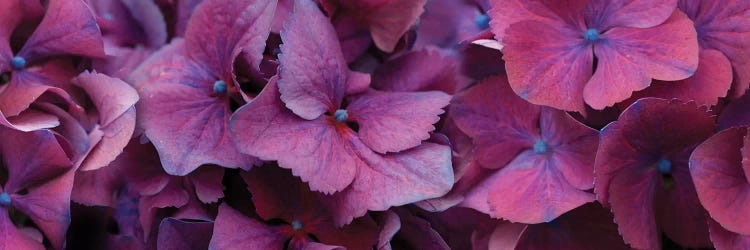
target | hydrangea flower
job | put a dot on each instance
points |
(67, 29)
(550, 48)
(304, 121)
(188, 87)
(642, 172)
(539, 160)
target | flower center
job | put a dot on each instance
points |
(18, 63)
(297, 225)
(664, 166)
(220, 87)
(591, 35)
(341, 115)
(540, 147)
(4, 199)
(482, 21)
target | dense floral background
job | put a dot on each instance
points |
(374, 124)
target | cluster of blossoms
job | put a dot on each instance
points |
(374, 124)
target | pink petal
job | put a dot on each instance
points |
(313, 72)
(413, 175)
(233, 230)
(111, 96)
(725, 239)
(166, 64)
(506, 13)
(587, 227)
(711, 81)
(632, 204)
(548, 65)
(420, 70)
(532, 189)
(481, 111)
(189, 126)
(116, 136)
(12, 238)
(312, 149)
(97, 187)
(139, 163)
(48, 205)
(719, 170)
(31, 158)
(30, 120)
(68, 28)
(606, 14)
(723, 26)
(665, 52)
(391, 20)
(177, 234)
(735, 114)
(207, 182)
(396, 121)
(445, 23)
(173, 195)
(219, 30)
(572, 144)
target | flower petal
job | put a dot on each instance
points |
(719, 170)
(68, 28)
(178, 234)
(312, 149)
(606, 14)
(233, 230)
(725, 239)
(313, 72)
(219, 30)
(500, 124)
(630, 57)
(548, 65)
(396, 121)
(531, 189)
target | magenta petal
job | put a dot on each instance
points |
(166, 64)
(219, 30)
(726, 240)
(506, 13)
(421, 70)
(679, 211)
(391, 20)
(312, 149)
(177, 234)
(31, 158)
(711, 81)
(207, 182)
(587, 227)
(233, 230)
(48, 205)
(531, 189)
(12, 238)
(98, 187)
(266, 183)
(69, 28)
(396, 121)
(548, 65)
(313, 72)
(396, 179)
(482, 110)
(632, 206)
(724, 27)
(111, 96)
(30, 120)
(116, 136)
(719, 170)
(606, 14)
(735, 114)
(189, 127)
(630, 57)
